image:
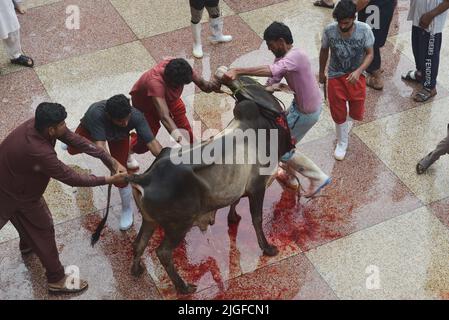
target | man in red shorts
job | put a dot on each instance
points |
(351, 43)
(110, 121)
(158, 95)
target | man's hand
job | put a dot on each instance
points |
(425, 20)
(354, 77)
(322, 78)
(279, 87)
(118, 178)
(231, 75)
(118, 168)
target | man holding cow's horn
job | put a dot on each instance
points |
(293, 65)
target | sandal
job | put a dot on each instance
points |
(424, 95)
(61, 287)
(23, 61)
(322, 3)
(314, 193)
(420, 169)
(411, 76)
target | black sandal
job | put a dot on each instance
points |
(420, 169)
(321, 3)
(23, 61)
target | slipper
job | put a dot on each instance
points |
(328, 180)
(23, 61)
(420, 169)
(321, 3)
(411, 76)
(57, 288)
(424, 95)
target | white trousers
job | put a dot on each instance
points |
(12, 43)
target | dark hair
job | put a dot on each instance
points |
(118, 107)
(48, 115)
(178, 72)
(276, 31)
(344, 9)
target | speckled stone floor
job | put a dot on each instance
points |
(377, 218)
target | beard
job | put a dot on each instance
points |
(344, 30)
(279, 53)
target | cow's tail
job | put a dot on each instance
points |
(96, 236)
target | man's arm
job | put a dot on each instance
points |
(83, 145)
(167, 121)
(259, 71)
(427, 18)
(206, 86)
(50, 165)
(354, 76)
(324, 56)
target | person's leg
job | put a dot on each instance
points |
(216, 22)
(14, 50)
(338, 96)
(374, 79)
(120, 151)
(19, 5)
(417, 53)
(35, 225)
(299, 125)
(13, 46)
(82, 132)
(196, 10)
(431, 45)
(441, 149)
(178, 112)
(137, 145)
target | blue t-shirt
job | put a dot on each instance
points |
(346, 54)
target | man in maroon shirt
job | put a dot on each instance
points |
(158, 95)
(27, 162)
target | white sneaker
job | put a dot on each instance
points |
(126, 219)
(132, 163)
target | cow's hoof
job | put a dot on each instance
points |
(187, 289)
(270, 251)
(137, 269)
(234, 219)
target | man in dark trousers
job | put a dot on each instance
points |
(378, 15)
(27, 162)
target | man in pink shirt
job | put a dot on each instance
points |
(293, 65)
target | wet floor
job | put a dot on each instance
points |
(377, 218)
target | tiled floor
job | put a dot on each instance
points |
(379, 231)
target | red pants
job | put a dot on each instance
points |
(341, 91)
(177, 113)
(34, 224)
(119, 149)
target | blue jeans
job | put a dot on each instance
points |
(299, 124)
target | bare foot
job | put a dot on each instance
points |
(20, 8)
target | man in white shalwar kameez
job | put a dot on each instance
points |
(10, 34)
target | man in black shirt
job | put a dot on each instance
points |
(111, 121)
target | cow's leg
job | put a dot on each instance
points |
(141, 242)
(256, 208)
(164, 252)
(233, 217)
